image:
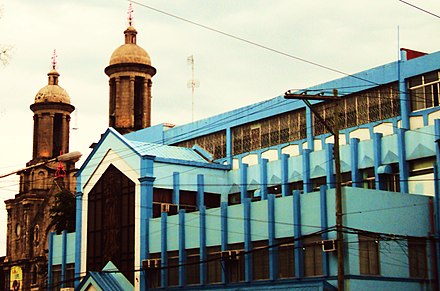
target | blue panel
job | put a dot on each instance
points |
(224, 236)
(229, 145)
(403, 96)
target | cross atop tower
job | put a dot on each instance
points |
(130, 14)
(54, 59)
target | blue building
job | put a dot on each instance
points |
(246, 199)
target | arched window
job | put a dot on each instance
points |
(36, 235)
(34, 275)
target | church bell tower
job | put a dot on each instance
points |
(130, 74)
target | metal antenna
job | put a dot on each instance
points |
(193, 83)
(130, 14)
(54, 59)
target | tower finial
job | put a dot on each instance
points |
(130, 14)
(54, 59)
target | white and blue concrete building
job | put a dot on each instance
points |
(246, 199)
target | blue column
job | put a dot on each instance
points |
(403, 164)
(324, 226)
(403, 95)
(309, 123)
(437, 139)
(243, 181)
(306, 171)
(78, 232)
(330, 178)
(182, 252)
(200, 191)
(297, 233)
(229, 145)
(247, 240)
(224, 236)
(285, 175)
(63, 258)
(437, 215)
(146, 211)
(354, 153)
(164, 250)
(50, 261)
(176, 188)
(377, 154)
(203, 255)
(263, 178)
(273, 251)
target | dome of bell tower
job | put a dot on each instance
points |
(130, 52)
(52, 92)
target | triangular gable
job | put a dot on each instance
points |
(108, 279)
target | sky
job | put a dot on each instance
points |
(345, 35)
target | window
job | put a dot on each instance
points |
(214, 143)
(369, 254)
(193, 266)
(424, 91)
(368, 178)
(34, 275)
(260, 260)
(153, 270)
(286, 258)
(110, 223)
(173, 268)
(56, 278)
(418, 265)
(312, 255)
(214, 265)
(234, 262)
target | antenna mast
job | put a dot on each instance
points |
(193, 83)
(130, 14)
(54, 59)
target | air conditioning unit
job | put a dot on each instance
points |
(151, 264)
(329, 245)
(232, 255)
(67, 289)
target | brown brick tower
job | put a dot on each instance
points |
(130, 74)
(29, 222)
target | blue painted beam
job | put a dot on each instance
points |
(176, 188)
(354, 154)
(164, 250)
(224, 237)
(273, 251)
(403, 164)
(330, 170)
(324, 226)
(203, 255)
(247, 240)
(182, 252)
(200, 191)
(403, 96)
(377, 156)
(263, 178)
(243, 181)
(285, 175)
(229, 145)
(297, 233)
(309, 124)
(50, 262)
(306, 171)
(78, 233)
(63, 258)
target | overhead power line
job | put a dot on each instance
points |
(421, 9)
